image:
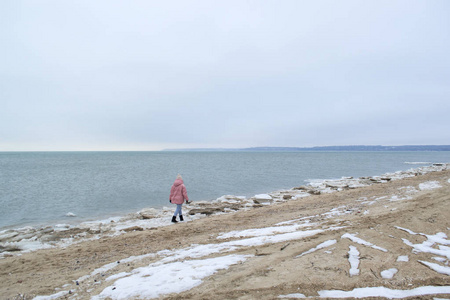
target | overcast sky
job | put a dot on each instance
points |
(150, 75)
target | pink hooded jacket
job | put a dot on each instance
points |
(178, 192)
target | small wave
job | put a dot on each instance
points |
(417, 163)
(70, 214)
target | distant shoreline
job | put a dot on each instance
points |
(348, 148)
(378, 148)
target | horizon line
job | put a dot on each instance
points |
(239, 148)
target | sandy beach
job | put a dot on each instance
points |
(388, 238)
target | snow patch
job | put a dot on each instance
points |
(230, 199)
(429, 185)
(318, 247)
(380, 292)
(399, 198)
(439, 259)
(111, 266)
(362, 242)
(435, 267)
(301, 195)
(296, 295)
(162, 279)
(406, 230)
(427, 246)
(263, 197)
(305, 221)
(403, 258)
(28, 245)
(169, 257)
(260, 231)
(197, 251)
(51, 297)
(389, 273)
(385, 292)
(408, 189)
(353, 258)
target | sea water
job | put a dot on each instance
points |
(40, 188)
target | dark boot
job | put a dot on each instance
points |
(174, 219)
(181, 218)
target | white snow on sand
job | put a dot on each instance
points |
(385, 292)
(263, 197)
(258, 241)
(296, 295)
(172, 262)
(197, 251)
(28, 245)
(353, 258)
(304, 220)
(395, 198)
(338, 211)
(362, 242)
(441, 259)
(318, 247)
(192, 272)
(301, 195)
(169, 257)
(381, 292)
(407, 230)
(427, 246)
(440, 238)
(113, 265)
(162, 279)
(261, 231)
(409, 190)
(403, 258)
(54, 296)
(389, 273)
(429, 185)
(435, 267)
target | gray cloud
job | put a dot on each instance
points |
(137, 75)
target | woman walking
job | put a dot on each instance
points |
(178, 194)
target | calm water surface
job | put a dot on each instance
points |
(42, 187)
